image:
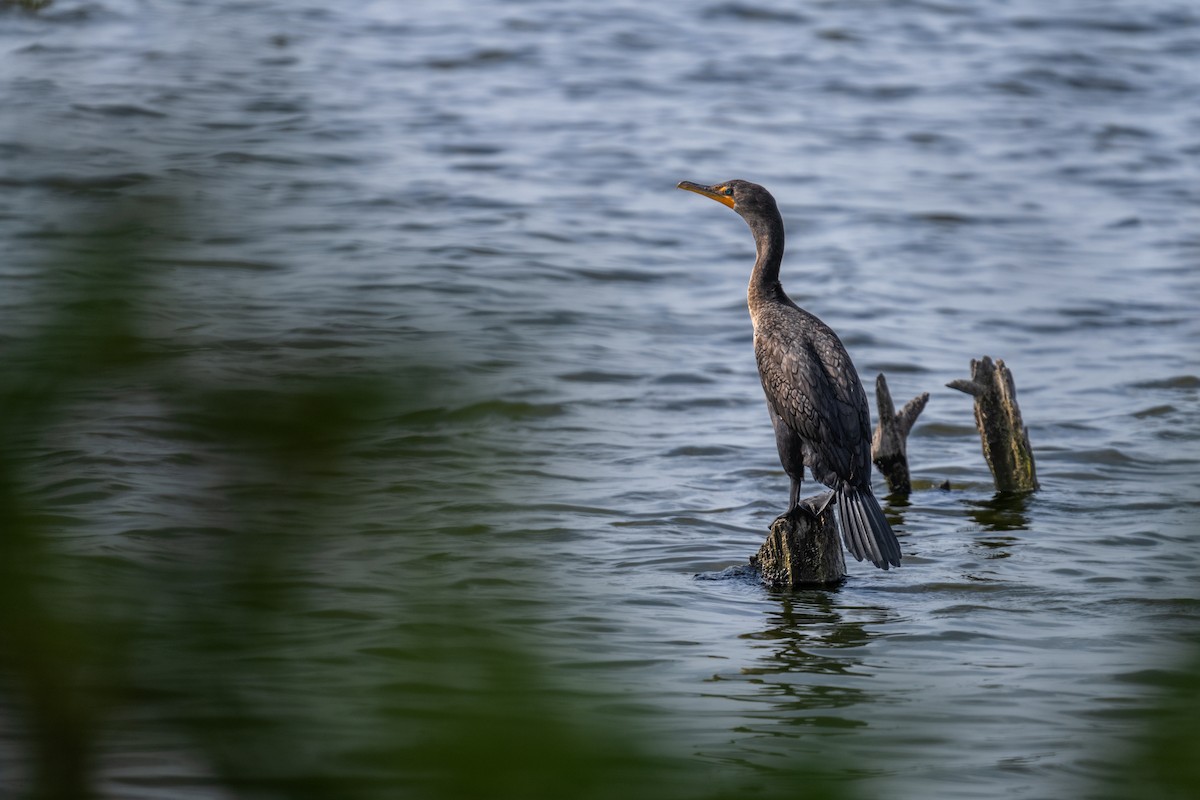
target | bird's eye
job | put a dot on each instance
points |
(727, 191)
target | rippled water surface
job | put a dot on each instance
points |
(490, 186)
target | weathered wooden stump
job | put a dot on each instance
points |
(889, 445)
(804, 551)
(998, 417)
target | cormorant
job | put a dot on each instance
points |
(817, 403)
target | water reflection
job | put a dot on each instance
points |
(807, 682)
(809, 635)
(893, 508)
(813, 616)
(1005, 511)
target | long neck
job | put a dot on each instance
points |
(768, 241)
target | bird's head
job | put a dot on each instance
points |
(748, 199)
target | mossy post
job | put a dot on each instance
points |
(805, 551)
(889, 445)
(998, 417)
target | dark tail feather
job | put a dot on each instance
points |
(865, 530)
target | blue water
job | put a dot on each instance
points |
(491, 185)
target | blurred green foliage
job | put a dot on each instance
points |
(205, 633)
(1163, 760)
(165, 632)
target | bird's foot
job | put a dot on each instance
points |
(797, 513)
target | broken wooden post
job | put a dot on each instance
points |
(805, 551)
(998, 417)
(889, 445)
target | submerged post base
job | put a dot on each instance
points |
(802, 552)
